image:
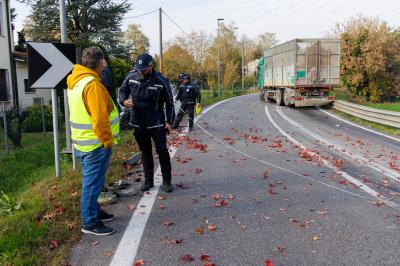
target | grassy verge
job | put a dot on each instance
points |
(380, 127)
(344, 95)
(208, 97)
(44, 230)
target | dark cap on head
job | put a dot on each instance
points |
(143, 61)
(183, 76)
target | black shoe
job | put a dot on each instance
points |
(105, 217)
(98, 229)
(146, 187)
(167, 187)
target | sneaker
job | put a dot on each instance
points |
(98, 229)
(105, 217)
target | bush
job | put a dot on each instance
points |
(120, 70)
(33, 122)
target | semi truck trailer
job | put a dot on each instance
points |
(300, 72)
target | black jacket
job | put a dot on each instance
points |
(188, 94)
(149, 97)
(106, 78)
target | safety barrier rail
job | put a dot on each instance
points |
(389, 118)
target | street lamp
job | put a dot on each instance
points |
(218, 59)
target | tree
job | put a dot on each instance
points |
(136, 41)
(21, 45)
(177, 60)
(98, 21)
(370, 51)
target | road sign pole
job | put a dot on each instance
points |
(64, 39)
(55, 131)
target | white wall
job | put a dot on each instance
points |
(4, 47)
(27, 98)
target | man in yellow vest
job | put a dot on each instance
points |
(94, 123)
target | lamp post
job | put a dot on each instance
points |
(218, 59)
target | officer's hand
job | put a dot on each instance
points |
(128, 103)
(168, 128)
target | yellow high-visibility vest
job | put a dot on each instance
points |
(82, 134)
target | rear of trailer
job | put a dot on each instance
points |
(301, 72)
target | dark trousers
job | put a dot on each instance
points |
(189, 110)
(143, 137)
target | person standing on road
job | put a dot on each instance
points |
(94, 128)
(188, 95)
(150, 94)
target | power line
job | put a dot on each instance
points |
(144, 14)
(176, 24)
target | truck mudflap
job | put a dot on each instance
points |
(313, 101)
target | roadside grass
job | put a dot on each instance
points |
(47, 226)
(380, 127)
(208, 98)
(344, 95)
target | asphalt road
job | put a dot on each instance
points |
(296, 186)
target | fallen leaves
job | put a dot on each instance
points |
(315, 238)
(190, 143)
(131, 207)
(222, 203)
(212, 227)
(95, 243)
(54, 244)
(281, 249)
(173, 241)
(108, 253)
(187, 258)
(181, 185)
(56, 212)
(269, 262)
(380, 204)
(138, 262)
(199, 230)
(205, 258)
(161, 198)
(168, 223)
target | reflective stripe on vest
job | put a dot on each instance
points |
(82, 133)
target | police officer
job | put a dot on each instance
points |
(150, 93)
(188, 94)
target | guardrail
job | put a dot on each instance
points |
(384, 117)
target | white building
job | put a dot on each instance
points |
(14, 89)
(251, 68)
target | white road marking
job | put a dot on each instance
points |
(128, 246)
(353, 180)
(368, 162)
(355, 125)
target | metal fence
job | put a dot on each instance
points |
(23, 127)
(384, 117)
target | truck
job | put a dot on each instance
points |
(300, 72)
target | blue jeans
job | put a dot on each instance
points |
(94, 168)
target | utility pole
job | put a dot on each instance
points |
(161, 46)
(242, 63)
(218, 59)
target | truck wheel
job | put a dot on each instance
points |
(286, 98)
(279, 99)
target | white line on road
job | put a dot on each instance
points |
(355, 181)
(128, 246)
(368, 162)
(355, 125)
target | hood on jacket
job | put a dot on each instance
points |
(78, 73)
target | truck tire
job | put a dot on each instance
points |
(286, 98)
(279, 100)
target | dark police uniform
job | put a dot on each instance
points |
(188, 94)
(150, 96)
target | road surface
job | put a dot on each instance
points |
(293, 186)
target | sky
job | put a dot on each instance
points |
(289, 19)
